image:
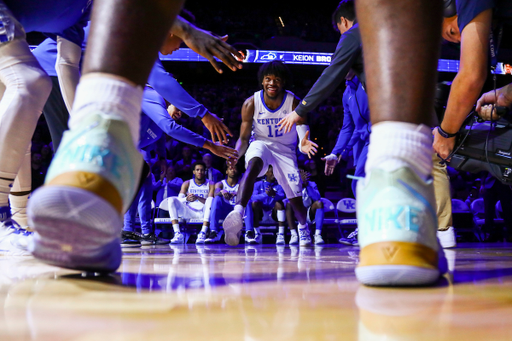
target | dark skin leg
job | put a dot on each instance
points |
(299, 209)
(246, 187)
(290, 217)
(401, 46)
(126, 35)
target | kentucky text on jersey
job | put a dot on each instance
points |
(268, 120)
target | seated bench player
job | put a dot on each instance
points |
(223, 202)
(312, 201)
(266, 205)
(193, 202)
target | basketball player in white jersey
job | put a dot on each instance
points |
(223, 203)
(193, 202)
(260, 115)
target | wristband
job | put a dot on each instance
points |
(445, 134)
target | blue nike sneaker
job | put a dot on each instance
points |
(397, 225)
(77, 214)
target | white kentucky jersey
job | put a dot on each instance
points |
(231, 190)
(199, 191)
(265, 122)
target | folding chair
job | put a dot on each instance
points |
(347, 208)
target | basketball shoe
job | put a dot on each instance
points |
(233, 227)
(92, 180)
(397, 229)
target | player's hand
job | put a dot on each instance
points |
(442, 146)
(216, 127)
(307, 146)
(270, 191)
(288, 122)
(209, 45)
(191, 197)
(224, 152)
(331, 161)
(485, 104)
(225, 194)
(174, 112)
(305, 177)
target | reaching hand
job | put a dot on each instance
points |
(502, 98)
(216, 127)
(174, 112)
(330, 163)
(225, 152)
(442, 146)
(210, 45)
(270, 191)
(307, 146)
(289, 121)
(226, 195)
(304, 176)
(191, 197)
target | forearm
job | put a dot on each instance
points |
(181, 27)
(170, 89)
(463, 96)
(241, 146)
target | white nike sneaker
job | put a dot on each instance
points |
(397, 229)
(294, 240)
(179, 238)
(318, 239)
(233, 228)
(14, 240)
(447, 238)
(280, 239)
(77, 214)
(201, 237)
(304, 237)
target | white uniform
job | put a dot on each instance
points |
(191, 210)
(275, 147)
(231, 190)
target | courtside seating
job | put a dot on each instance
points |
(346, 211)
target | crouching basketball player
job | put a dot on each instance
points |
(260, 114)
(193, 202)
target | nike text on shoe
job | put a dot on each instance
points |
(92, 180)
(233, 228)
(397, 229)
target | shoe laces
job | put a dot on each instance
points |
(353, 234)
(304, 233)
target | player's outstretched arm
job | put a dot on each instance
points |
(221, 151)
(208, 45)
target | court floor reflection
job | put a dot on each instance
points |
(217, 292)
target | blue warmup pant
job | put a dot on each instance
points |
(249, 215)
(319, 218)
(361, 162)
(220, 209)
(142, 204)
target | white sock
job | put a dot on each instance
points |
(302, 227)
(398, 144)
(5, 189)
(281, 229)
(318, 232)
(204, 228)
(239, 209)
(176, 227)
(110, 95)
(19, 209)
(294, 232)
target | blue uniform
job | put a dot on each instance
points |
(268, 203)
(356, 126)
(65, 18)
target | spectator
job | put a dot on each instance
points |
(212, 174)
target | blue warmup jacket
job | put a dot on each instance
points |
(260, 194)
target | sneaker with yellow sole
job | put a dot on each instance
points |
(397, 229)
(77, 214)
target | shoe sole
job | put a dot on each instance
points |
(397, 264)
(232, 226)
(125, 246)
(75, 229)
